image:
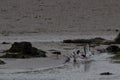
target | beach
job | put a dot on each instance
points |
(45, 24)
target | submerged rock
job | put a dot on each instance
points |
(113, 49)
(23, 50)
(96, 40)
(57, 53)
(106, 73)
(5, 43)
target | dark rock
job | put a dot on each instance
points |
(42, 53)
(99, 38)
(11, 55)
(22, 47)
(109, 42)
(117, 30)
(2, 62)
(117, 39)
(5, 43)
(56, 52)
(96, 40)
(67, 41)
(23, 50)
(106, 73)
(77, 41)
(113, 49)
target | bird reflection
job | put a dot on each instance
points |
(83, 65)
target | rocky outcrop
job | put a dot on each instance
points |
(113, 49)
(96, 40)
(23, 50)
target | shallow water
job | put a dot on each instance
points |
(85, 71)
(53, 69)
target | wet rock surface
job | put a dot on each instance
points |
(23, 50)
